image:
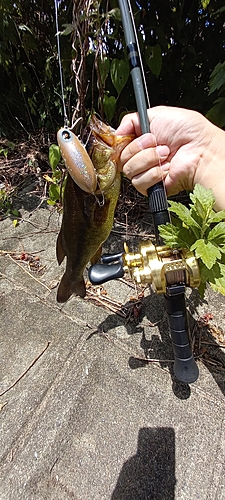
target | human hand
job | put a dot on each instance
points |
(182, 149)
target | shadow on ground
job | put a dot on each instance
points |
(150, 473)
(159, 346)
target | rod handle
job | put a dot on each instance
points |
(185, 367)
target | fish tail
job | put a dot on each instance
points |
(67, 287)
(60, 252)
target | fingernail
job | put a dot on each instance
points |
(146, 141)
(165, 167)
(163, 151)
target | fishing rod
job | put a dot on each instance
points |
(157, 196)
(169, 271)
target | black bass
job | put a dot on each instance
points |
(90, 198)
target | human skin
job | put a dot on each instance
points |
(183, 148)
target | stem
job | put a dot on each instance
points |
(205, 225)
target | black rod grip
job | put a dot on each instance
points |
(185, 367)
(159, 208)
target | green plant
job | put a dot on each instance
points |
(177, 42)
(4, 149)
(217, 84)
(57, 181)
(6, 206)
(202, 230)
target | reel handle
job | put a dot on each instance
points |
(185, 367)
(109, 270)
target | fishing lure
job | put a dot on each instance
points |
(77, 160)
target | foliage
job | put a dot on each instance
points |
(6, 147)
(6, 206)
(217, 84)
(177, 40)
(57, 181)
(29, 69)
(202, 230)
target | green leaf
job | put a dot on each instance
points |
(51, 202)
(203, 200)
(54, 156)
(109, 105)
(206, 251)
(54, 192)
(119, 72)
(216, 13)
(216, 278)
(175, 236)
(216, 114)
(198, 212)
(153, 58)
(205, 3)
(218, 283)
(217, 77)
(15, 212)
(69, 28)
(217, 234)
(104, 67)
(219, 286)
(57, 176)
(216, 216)
(209, 274)
(184, 214)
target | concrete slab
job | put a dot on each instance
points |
(88, 420)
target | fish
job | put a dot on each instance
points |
(89, 204)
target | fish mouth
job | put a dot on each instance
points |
(104, 148)
(106, 134)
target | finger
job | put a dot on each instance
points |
(144, 160)
(130, 124)
(134, 147)
(137, 145)
(145, 180)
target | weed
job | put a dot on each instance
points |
(6, 206)
(202, 230)
(57, 180)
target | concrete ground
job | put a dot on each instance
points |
(82, 415)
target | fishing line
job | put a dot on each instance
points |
(66, 121)
(139, 53)
(144, 83)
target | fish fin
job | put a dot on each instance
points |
(60, 252)
(67, 287)
(96, 256)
